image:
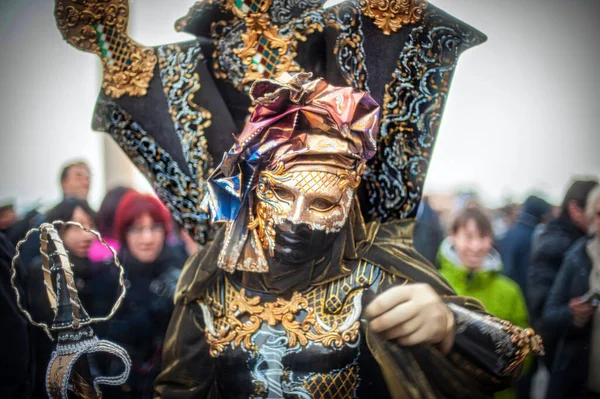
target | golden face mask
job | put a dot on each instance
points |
(285, 189)
(318, 197)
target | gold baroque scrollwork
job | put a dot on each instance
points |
(258, 26)
(263, 220)
(232, 330)
(100, 27)
(391, 15)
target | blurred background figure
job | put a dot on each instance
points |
(77, 242)
(8, 216)
(572, 313)
(515, 249)
(473, 267)
(16, 354)
(548, 253)
(515, 246)
(75, 183)
(428, 234)
(21, 226)
(188, 244)
(504, 218)
(75, 180)
(152, 268)
(105, 220)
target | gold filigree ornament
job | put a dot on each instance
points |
(244, 317)
(263, 220)
(241, 8)
(391, 15)
(265, 51)
(100, 27)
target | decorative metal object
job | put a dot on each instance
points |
(68, 368)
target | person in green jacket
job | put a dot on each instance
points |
(468, 261)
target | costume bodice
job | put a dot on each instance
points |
(306, 346)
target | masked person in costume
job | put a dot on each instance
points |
(280, 304)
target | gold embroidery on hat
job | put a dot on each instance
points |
(391, 15)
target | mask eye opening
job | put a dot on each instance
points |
(322, 205)
(283, 194)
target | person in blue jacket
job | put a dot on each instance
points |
(515, 247)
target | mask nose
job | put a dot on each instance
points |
(298, 210)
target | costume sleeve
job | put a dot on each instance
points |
(495, 346)
(187, 369)
(487, 356)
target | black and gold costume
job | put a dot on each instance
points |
(233, 336)
(296, 334)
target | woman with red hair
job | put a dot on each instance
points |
(142, 224)
(152, 268)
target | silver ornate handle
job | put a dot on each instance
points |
(47, 231)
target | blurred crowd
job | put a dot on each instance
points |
(533, 264)
(152, 250)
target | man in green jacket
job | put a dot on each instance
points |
(471, 265)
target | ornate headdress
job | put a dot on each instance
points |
(296, 122)
(172, 108)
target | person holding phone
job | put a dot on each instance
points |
(572, 312)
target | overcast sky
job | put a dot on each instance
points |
(521, 116)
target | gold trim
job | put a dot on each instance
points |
(391, 15)
(232, 330)
(258, 26)
(264, 220)
(128, 67)
(525, 340)
(340, 384)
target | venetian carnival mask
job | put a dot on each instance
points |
(299, 212)
(286, 188)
